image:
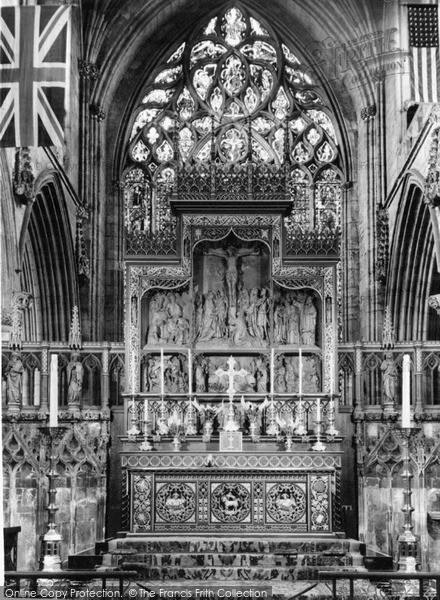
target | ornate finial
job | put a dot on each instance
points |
(432, 185)
(75, 331)
(382, 229)
(388, 338)
(23, 176)
(368, 112)
(21, 301)
(82, 257)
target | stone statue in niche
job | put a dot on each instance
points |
(14, 379)
(295, 319)
(167, 323)
(200, 370)
(389, 376)
(311, 375)
(287, 374)
(231, 256)
(152, 373)
(75, 372)
(175, 378)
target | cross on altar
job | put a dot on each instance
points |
(231, 373)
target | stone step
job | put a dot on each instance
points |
(231, 560)
(237, 546)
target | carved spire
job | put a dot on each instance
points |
(388, 338)
(82, 257)
(23, 176)
(432, 185)
(75, 331)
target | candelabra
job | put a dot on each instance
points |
(146, 446)
(318, 445)
(407, 541)
(52, 539)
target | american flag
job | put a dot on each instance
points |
(34, 75)
(424, 52)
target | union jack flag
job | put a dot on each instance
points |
(34, 75)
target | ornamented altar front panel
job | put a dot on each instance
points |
(234, 502)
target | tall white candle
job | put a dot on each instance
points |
(53, 396)
(300, 373)
(272, 370)
(145, 410)
(189, 372)
(406, 392)
(332, 374)
(318, 409)
(162, 373)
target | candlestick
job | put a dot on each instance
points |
(272, 370)
(162, 373)
(53, 399)
(406, 392)
(189, 372)
(300, 373)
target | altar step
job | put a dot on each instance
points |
(222, 559)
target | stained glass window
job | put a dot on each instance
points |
(234, 93)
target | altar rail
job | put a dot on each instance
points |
(359, 383)
(396, 586)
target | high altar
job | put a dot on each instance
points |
(231, 403)
(232, 272)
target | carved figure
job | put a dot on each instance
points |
(308, 323)
(262, 320)
(389, 376)
(280, 319)
(221, 305)
(158, 316)
(75, 372)
(209, 321)
(291, 376)
(293, 320)
(310, 375)
(231, 256)
(280, 376)
(14, 379)
(200, 373)
(261, 375)
(152, 375)
(174, 377)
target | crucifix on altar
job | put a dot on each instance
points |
(231, 439)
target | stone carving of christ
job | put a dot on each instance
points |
(231, 256)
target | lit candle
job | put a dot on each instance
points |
(406, 392)
(53, 398)
(189, 371)
(300, 374)
(162, 373)
(332, 374)
(272, 370)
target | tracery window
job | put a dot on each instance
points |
(231, 97)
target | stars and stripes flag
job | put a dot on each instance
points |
(423, 21)
(34, 75)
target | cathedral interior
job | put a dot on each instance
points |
(221, 293)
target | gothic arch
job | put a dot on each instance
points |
(48, 268)
(412, 267)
